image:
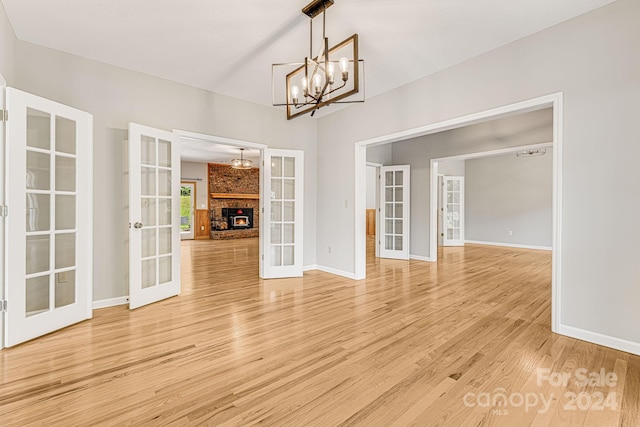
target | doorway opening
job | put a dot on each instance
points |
(429, 236)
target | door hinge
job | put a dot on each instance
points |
(4, 115)
(262, 210)
(262, 257)
(4, 211)
(3, 306)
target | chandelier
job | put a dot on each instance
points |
(241, 163)
(330, 77)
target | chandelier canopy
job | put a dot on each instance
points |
(330, 77)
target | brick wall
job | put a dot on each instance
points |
(225, 179)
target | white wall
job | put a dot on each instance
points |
(595, 61)
(508, 193)
(194, 170)
(7, 47)
(116, 96)
(452, 168)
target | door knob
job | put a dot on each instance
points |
(138, 225)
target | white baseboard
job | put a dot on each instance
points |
(600, 339)
(309, 267)
(509, 245)
(421, 258)
(330, 270)
(111, 302)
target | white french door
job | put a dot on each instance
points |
(453, 210)
(283, 214)
(49, 229)
(154, 215)
(395, 213)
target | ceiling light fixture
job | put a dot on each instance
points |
(241, 163)
(313, 83)
(531, 153)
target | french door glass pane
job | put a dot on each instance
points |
(148, 242)
(164, 240)
(37, 254)
(65, 212)
(37, 295)
(148, 181)
(65, 173)
(148, 273)
(38, 171)
(164, 182)
(289, 167)
(399, 194)
(388, 242)
(289, 189)
(388, 194)
(276, 166)
(289, 211)
(276, 233)
(287, 255)
(276, 256)
(164, 153)
(164, 212)
(65, 135)
(148, 150)
(276, 211)
(65, 250)
(65, 289)
(38, 212)
(164, 267)
(148, 211)
(276, 188)
(38, 129)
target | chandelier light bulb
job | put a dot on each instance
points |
(305, 86)
(295, 91)
(330, 70)
(344, 67)
(317, 83)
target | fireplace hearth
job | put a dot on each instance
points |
(238, 218)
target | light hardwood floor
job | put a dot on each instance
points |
(416, 343)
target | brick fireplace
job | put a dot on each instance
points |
(235, 192)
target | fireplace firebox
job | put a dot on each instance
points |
(238, 218)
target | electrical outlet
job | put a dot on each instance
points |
(510, 233)
(62, 277)
(202, 228)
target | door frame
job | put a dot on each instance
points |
(377, 166)
(183, 134)
(193, 209)
(554, 100)
(3, 295)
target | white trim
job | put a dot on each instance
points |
(374, 164)
(554, 100)
(330, 270)
(508, 245)
(110, 302)
(218, 139)
(421, 258)
(600, 339)
(491, 153)
(310, 267)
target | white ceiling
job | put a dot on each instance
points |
(228, 46)
(193, 150)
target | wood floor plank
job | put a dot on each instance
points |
(416, 343)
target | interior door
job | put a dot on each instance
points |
(453, 211)
(395, 224)
(154, 215)
(187, 210)
(49, 244)
(283, 213)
